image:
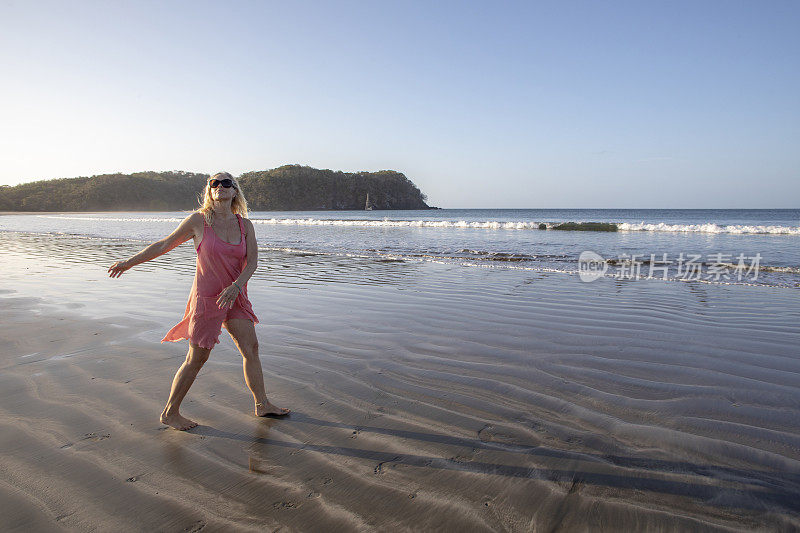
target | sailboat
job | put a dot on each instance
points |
(367, 206)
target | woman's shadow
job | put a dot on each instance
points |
(755, 490)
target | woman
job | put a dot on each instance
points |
(227, 256)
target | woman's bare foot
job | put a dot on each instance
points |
(177, 421)
(267, 408)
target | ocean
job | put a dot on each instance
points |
(718, 246)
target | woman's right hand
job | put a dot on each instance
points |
(118, 268)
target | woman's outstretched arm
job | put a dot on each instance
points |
(185, 231)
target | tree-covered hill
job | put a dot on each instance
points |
(289, 187)
(298, 187)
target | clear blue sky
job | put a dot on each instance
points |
(481, 104)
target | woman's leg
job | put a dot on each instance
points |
(244, 335)
(184, 378)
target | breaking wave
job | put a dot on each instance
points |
(488, 224)
(710, 228)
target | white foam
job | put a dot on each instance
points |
(710, 228)
(113, 219)
(491, 224)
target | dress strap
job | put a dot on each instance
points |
(241, 226)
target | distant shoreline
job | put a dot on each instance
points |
(187, 210)
(55, 212)
(287, 187)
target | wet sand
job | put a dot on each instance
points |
(423, 397)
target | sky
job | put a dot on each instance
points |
(481, 104)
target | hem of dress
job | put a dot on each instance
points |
(252, 317)
(191, 341)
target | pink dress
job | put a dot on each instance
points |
(218, 264)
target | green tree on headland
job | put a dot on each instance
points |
(290, 187)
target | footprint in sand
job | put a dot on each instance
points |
(95, 437)
(284, 505)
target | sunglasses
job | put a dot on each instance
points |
(227, 183)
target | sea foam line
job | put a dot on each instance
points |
(709, 228)
(491, 224)
(463, 224)
(498, 224)
(113, 219)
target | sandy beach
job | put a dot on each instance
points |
(423, 396)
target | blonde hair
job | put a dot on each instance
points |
(238, 204)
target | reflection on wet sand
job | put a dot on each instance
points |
(295, 269)
(423, 396)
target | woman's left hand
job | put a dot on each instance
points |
(227, 297)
